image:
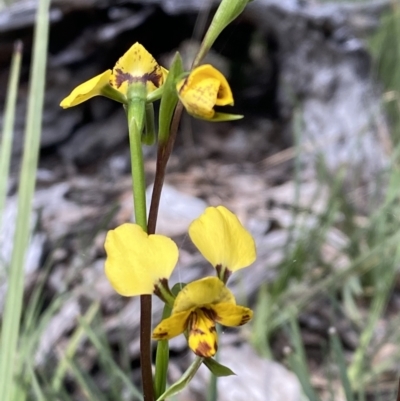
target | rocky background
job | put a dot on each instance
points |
(300, 73)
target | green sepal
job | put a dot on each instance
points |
(227, 11)
(169, 99)
(155, 94)
(183, 381)
(149, 135)
(217, 369)
(137, 103)
(113, 94)
(220, 117)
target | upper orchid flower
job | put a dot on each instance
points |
(136, 65)
(204, 88)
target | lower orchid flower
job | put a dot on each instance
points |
(197, 308)
(138, 263)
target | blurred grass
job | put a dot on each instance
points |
(13, 303)
(385, 48)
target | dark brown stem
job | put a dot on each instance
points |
(163, 154)
(398, 392)
(145, 347)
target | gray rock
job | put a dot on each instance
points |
(177, 210)
(92, 140)
(257, 379)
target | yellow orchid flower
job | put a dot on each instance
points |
(197, 308)
(223, 241)
(204, 88)
(94, 87)
(136, 65)
(138, 263)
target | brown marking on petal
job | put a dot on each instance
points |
(154, 78)
(204, 350)
(156, 291)
(192, 323)
(160, 336)
(223, 273)
(210, 313)
(121, 77)
(218, 268)
(245, 319)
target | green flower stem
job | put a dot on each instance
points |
(137, 168)
(139, 197)
(162, 359)
(165, 294)
(227, 11)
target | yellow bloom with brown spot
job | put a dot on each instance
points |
(197, 308)
(94, 87)
(204, 88)
(138, 263)
(223, 241)
(136, 65)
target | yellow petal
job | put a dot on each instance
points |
(203, 337)
(137, 261)
(172, 326)
(87, 90)
(204, 88)
(203, 292)
(231, 315)
(137, 65)
(199, 98)
(222, 240)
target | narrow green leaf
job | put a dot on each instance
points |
(39, 396)
(8, 127)
(338, 353)
(73, 344)
(86, 383)
(184, 380)
(298, 360)
(169, 99)
(13, 304)
(107, 358)
(218, 369)
(149, 135)
(301, 371)
(220, 117)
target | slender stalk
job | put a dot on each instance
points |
(163, 154)
(139, 197)
(398, 392)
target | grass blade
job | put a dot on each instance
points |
(9, 118)
(13, 305)
(73, 344)
(337, 350)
